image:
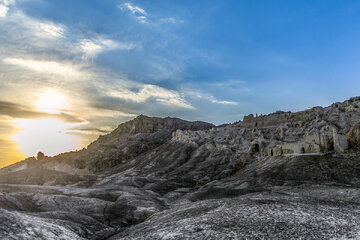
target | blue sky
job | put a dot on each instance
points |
(199, 60)
(263, 55)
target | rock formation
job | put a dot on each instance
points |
(278, 176)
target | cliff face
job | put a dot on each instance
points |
(283, 171)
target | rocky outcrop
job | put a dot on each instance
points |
(268, 176)
(131, 139)
(149, 125)
(127, 141)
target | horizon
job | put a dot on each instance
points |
(71, 71)
(215, 125)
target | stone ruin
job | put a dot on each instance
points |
(316, 143)
(314, 131)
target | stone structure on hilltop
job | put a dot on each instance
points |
(316, 143)
(317, 130)
(314, 131)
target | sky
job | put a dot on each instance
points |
(73, 70)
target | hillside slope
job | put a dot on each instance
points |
(283, 175)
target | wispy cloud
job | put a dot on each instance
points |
(36, 27)
(45, 36)
(92, 47)
(138, 12)
(15, 110)
(51, 30)
(146, 92)
(209, 98)
(222, 102)
(90, 131)
(50, 67)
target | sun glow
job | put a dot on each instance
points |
(47, 135)
(51, 102)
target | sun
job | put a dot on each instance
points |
(51, 102)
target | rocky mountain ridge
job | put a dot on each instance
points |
(127, 141)
(293, 175)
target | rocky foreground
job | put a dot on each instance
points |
(166, 178)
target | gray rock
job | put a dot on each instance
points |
(166, 178)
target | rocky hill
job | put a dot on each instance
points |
(278, 176)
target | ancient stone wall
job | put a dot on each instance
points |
(317, 143)
(278, 118)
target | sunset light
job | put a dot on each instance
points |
(47, 135)
(51, 102)
(208, 119)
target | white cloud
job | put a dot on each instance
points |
(139, 13)
(141, 19)
(161, 95)
(223, 102)
(142, 16)
(36, 27)
(92, 47)
(3, 10)
(4, 7)
(210, 98)
(135, 9)
(110, 113)
(89, 47)
(51, 29)
(7, 2)
(37, 34)
(49, 67)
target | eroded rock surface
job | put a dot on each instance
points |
(279, 176)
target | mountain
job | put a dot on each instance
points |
(278, 176)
